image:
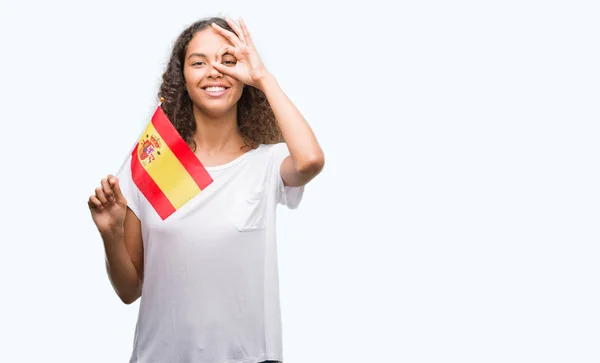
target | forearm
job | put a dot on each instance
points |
(120, 268)
(299, 137)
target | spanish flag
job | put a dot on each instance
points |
(164, 168)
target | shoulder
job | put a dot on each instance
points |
(269, 153)
(270, 147)
(273, 150)
(267, 159)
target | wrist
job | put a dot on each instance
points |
(266, 81)
(113, 233)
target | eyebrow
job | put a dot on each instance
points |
(204, 55)
(197, 55)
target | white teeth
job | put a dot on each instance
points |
(215, 89)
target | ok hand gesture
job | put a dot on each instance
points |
(248, 69)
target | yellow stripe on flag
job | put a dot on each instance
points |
(169, 174)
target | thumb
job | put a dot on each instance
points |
(119, 198)
(229, 71)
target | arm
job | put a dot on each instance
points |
(124, 256)
(120, 230)
(306, 159)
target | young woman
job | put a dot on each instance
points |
(208, 275)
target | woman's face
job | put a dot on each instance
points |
(211, 91)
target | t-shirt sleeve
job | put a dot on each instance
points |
(128, 188)
(286, 195)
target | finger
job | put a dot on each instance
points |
(237, 29)
(107, 189)
(219, 66)
(225, 49)
(227, 34)
(228, 71)
(101, 197)
(245, 32)
(117, 190)
(94, 203)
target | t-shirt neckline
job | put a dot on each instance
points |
(230, 163)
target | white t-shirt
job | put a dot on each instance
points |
(211, 287)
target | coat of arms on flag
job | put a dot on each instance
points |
(149, 149)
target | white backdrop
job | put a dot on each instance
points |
(456, 219)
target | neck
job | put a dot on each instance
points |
(216, 134)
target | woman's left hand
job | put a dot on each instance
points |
(248, 69)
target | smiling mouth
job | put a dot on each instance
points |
(215, 91)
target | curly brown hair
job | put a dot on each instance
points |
(255, 117)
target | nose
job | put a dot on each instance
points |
(214, 73)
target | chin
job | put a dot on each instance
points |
(216, 106)
(214, 109)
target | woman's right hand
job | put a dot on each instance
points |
(108, 206)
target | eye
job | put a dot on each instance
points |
(229, 62)
(198, 63)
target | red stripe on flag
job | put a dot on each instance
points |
(180, 149)
(149, 188)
